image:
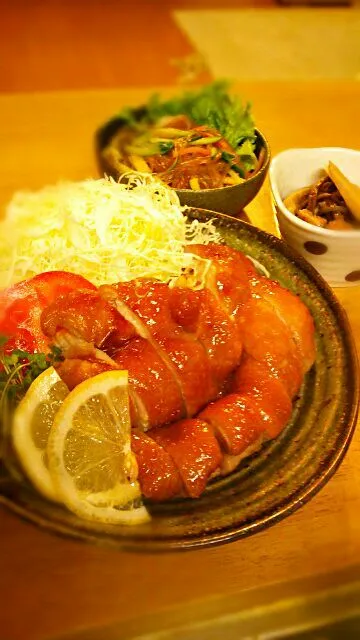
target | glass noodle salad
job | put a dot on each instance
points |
(199, 140)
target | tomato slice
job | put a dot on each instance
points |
(22, 304)
(23, 340)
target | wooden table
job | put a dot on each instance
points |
(50, 586)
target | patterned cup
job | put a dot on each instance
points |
(335, 254)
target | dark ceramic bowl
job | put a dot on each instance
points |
(272, 483)
(230, 200)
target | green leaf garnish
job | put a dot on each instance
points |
(19, 369)
(213, 106)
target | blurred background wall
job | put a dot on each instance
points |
(50, 45)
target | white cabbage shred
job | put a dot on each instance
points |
(103, 230)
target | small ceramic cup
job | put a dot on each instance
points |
(335, 254)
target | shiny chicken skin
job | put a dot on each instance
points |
(212, 371)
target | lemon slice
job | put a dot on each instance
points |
(33, 419)
(89, 452)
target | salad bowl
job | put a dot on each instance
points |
(234, 142)
(230, 200)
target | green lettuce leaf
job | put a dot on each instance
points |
(213, 106)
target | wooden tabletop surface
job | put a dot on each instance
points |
(50, 586)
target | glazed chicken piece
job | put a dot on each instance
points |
(147, 307)
(175, 339)
(277, 329)
(199, 313)
(73, 371)
(158, 475)
(267, 339)
(254, 379)
(289, 308)
(194, 449)
(86, 315)
(149, 377)
(212, 371)
(258, 410)
(228, 277)
(239, 420)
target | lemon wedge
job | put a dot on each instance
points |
(33, 419)
(89, 452)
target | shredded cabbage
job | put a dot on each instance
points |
(103, 230)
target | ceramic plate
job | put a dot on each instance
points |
(276, 481)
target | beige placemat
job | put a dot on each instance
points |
(281, 44)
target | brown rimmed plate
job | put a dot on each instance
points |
(280, 478)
